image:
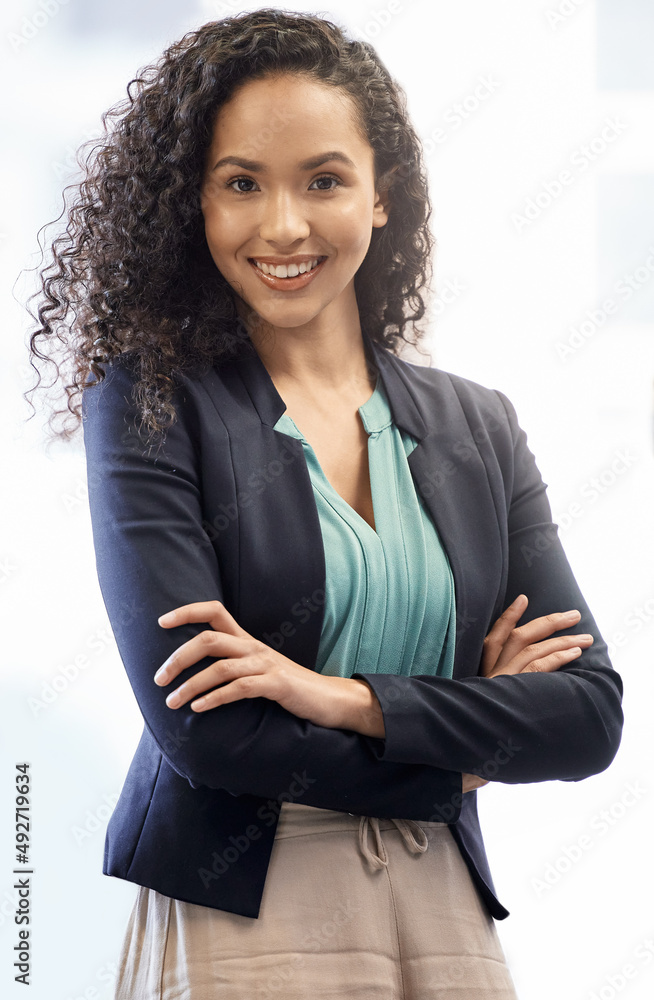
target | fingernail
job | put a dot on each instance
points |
(173, 699)
(166, 618)
(160, 674)
(570, 615)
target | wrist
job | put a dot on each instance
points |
(368, 716)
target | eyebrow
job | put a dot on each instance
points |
(255, 167)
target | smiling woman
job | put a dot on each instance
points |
(292, 209)
(326, 547)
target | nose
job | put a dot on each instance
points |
(283, 220)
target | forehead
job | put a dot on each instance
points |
(287, 107)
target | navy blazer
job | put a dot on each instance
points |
(224, 510)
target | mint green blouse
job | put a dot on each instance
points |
(389, 592)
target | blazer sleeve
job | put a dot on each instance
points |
(152, 555)
(514, 728)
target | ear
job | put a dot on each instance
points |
(382, 204)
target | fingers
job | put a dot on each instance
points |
(548, 664)
(542, 627)
(207, 643)
(533, 632)
(218, 617)
(545, 656)
(213, 612)
(509, 617)
(501, 630)
(196, 686)
(210, 688)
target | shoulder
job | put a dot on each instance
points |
(114, 423)
(437, 391)
(115, 391)
(115, 387)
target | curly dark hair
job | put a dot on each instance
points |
(132, 270)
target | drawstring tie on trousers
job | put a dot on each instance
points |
(407, 827)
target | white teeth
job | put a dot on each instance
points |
(284, 271)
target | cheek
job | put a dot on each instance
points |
(218, 221)
(217, 231)
(352, 228)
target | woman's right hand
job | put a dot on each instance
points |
(511, 650)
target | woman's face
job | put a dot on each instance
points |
(289, 180)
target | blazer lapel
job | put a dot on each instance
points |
(280, 539)
(452, 482)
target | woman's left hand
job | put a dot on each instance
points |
(251, 669)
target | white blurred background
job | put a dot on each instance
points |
(538, 123)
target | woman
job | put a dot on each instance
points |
(306, 538)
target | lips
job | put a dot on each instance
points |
(293, 281)
(287, 270)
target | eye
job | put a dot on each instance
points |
(330, 179)
(241, 180)
(326, 177)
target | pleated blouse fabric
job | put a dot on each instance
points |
(389, 594)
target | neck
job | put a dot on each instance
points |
(313, 359)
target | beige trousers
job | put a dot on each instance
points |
(353, 907)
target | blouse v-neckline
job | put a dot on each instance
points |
(376, 416)
(389, 595)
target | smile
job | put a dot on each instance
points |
(290, 271)
(287, 276)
